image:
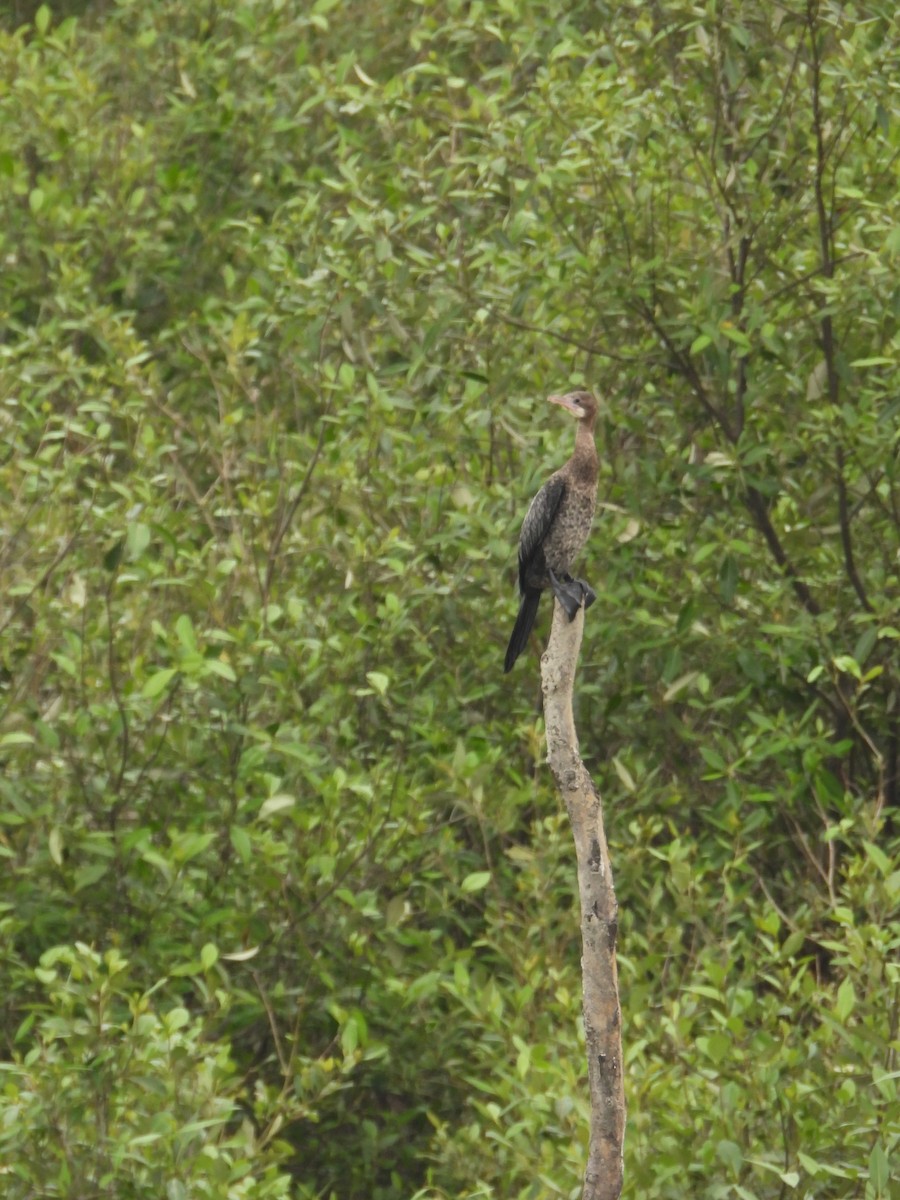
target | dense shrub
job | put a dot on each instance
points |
(287, 899)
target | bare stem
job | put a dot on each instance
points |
(599, 912)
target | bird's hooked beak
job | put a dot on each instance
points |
(568, 401)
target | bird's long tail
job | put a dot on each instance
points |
(522, 628)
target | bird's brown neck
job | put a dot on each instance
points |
(584, 461)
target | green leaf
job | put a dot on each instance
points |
(476, 881)
(848, 665)
(878, 857)
(155, 859)
(17, 737)
(137, 539)
(879, 1170)
(730, 1154)
(679, 685)
(276, 804)
(728, 578)
(176, 1018)
(625, 776)
(865, 645)
(242, 955)
(752, 666)
(218, 666)
(717, 1046)
(378, 681)
(113, 556)
(158, 682)
(736, 335)
(187, 846)
(55, 845)
(240, 840)
(846, 1000)
(713, 759)
(184, 631)
(86, 876)
(523, 1061)
(349, 1037)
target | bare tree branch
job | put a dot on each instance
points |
(599, 912)
(846, 537)
(760, 513)
(825, 219)
(587, 347)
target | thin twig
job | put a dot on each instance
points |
(285, 522)
(588, 347)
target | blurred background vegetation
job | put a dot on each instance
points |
(288, 903)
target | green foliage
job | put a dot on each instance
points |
(113, 1096)
(287, 902)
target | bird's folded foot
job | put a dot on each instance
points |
(569, 592)
(588, 593)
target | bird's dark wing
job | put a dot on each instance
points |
(538, 523)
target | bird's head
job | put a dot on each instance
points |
(581, 405)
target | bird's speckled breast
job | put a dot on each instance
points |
(570, 529)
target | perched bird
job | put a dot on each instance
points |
(556, 526)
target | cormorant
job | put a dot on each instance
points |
(556, 526)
